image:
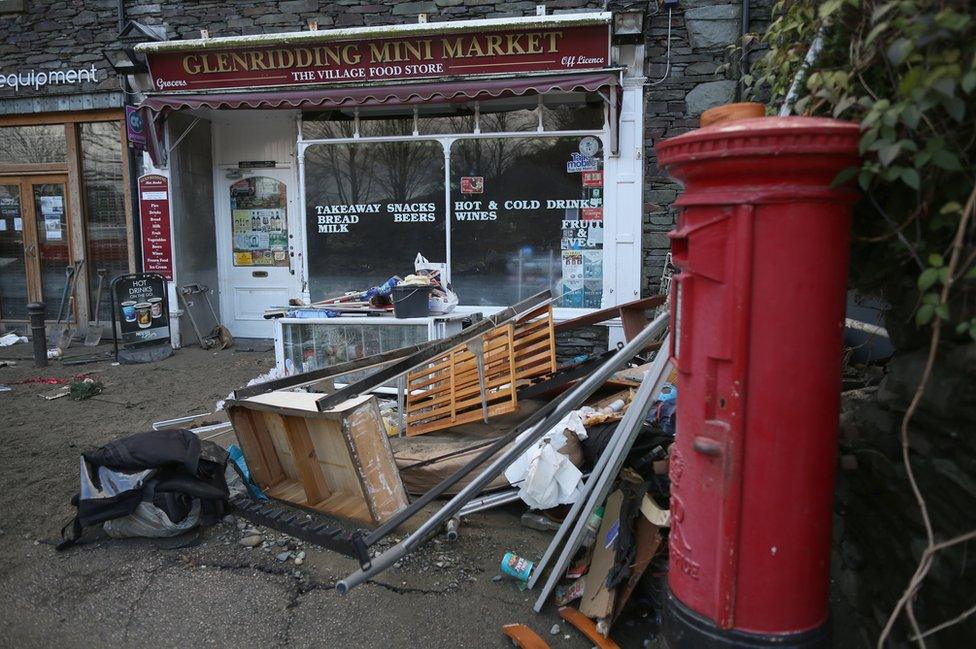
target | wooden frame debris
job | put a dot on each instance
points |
(337, 461)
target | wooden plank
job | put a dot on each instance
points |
(609, 314)
(524, 637)
(265, 470)
(306, 462)
(275, 427)
(370, 447)
(75, 218)
(633, 320)
(587, 627)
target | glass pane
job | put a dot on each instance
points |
(572, 111)
(527, 215)
(385, 127)
(32, 144)
(52, 244)
(258, 207)
(445, 124)
(316, 128)
(101, 173)
(13, 272)
(371, 207)
(509, 115)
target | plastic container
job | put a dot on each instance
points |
(516, 566)
(411, 301)
(592, 527)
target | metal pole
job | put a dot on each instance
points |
(572, 400)
(36, 312)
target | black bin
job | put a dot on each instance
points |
(411, 301)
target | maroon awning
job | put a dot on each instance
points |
(349, 96)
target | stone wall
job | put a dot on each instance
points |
(702, 32)
(73, 33)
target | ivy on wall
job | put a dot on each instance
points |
(906, 71)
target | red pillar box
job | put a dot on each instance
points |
(758, 314)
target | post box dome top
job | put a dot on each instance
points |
(772, 153)
(762, 136)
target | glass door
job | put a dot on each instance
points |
(53, 249)
(35, 247)
(13, 252)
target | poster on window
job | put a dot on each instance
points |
(259, 222)
(52, 210)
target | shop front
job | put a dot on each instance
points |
(64, 211)
(508, 149)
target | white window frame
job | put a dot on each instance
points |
(446, 142)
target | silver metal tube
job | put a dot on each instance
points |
(572, 401)
(489, 502)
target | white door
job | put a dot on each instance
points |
(257, 228)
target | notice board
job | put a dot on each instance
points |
(140, 309)
(157, 248)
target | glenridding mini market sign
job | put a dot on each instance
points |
(563, 48)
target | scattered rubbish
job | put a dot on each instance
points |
(566, 594)
(588, 627)
(85, 389)
(95, 326)
(56, 393)
(55, 352)
(546, 476)
(597, 598)
(5, 388)
(115, 478)
(8, 363)
(516, 566)
(592, 527)
(12, 339)
(451, 529)
(536, 521)
(554, 630)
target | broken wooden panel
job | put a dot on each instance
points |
(535, 344)
(338, 461)
(448, 392)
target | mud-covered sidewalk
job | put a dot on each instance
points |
(206, 588)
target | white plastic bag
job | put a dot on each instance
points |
(545, 477)
(151, 521)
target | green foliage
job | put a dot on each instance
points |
(906, 71)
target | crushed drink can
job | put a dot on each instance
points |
(516, 566)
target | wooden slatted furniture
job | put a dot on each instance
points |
(447, 391)
(338, 462)
(535, 345)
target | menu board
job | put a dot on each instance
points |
(157, 249)
(139, 308)
(258, 208)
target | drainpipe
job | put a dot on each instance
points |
(744, 66)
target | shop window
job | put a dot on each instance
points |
(258, 208)
(572, 111)
(327, 129)
(32, 144)
(515, 114)
(101, 173)
(527, 215)
(370, 208)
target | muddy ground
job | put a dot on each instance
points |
(206, 588)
